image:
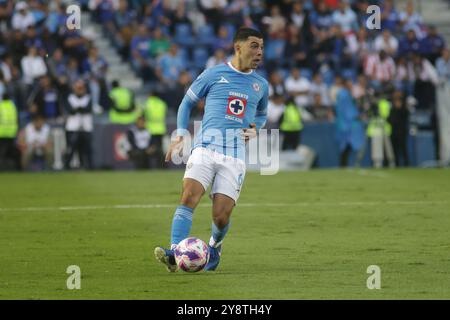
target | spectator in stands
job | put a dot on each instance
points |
(218, 58)
(170, 65)
(346, 18)
(409, 44)
(320, 88)
(173, 97)
(322, 49)
(33, 66)
(402, 78)
(157, 14)
(411, 20)
(296, 50)
(341, 56)
(32, 39)
(389, 16)
(57, 66)
(140, 54)
(298, 87)
(361, 92)
(399, 120)
(321, 18)
(159, 44)
(22, 17)
(387, 42)
(95, 68)
(223, 41)
(16, 46)
(155, 113)
(236, 11)
(9, 125)
(6, 11)
(318, 110)
(139, 139)
(361, 48)
(212, 10)
(178, 16)
(276, 84)
(275, 110)
(431, 45)
(123, 27)
(123, 106)
(16, 90)
(380, 69)
(6, 66)
(275, 23)
(349, 128)
(301, 20)
(79, 126)
(36, 143)
(75, 45)
(44, 100)
(72, 71)
(425, 79)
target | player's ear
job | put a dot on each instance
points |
(237, 47)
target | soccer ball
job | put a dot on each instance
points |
(191, 254)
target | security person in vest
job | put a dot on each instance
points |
(9, 125)
(291, 126)
(379, 131)
(155, 112)
(123, 107)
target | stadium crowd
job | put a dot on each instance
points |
(322, 61)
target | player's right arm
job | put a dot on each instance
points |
(197, 91)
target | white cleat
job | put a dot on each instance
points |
(167, 258)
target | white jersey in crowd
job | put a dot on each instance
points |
(35, 137)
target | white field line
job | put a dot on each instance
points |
(173, 206)
(371, 173)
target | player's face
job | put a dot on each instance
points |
(252, 52)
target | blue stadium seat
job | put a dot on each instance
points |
(284, 73)
(328, 77)
(349, 74)
(199, 57)
(274, 49)
(206, 35)
(307, 73)
(183, 35)
(184, 54)
(231, 30)
(194, 73)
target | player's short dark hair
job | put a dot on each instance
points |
(243, 33)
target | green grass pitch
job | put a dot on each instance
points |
(294, 235)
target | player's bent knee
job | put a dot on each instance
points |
(221, 220)
(190, 198)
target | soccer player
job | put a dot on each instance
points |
(235, 108)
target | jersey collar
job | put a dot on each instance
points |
(231, 66)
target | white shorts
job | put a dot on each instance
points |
(225, 173)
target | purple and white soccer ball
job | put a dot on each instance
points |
(191, 254)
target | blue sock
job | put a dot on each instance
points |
(218, 235)
(181, 224)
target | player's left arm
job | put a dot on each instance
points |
(261, 109)
(260, 116)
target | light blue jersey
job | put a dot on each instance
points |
(234, 100)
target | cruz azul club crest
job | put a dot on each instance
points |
(236, 106)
